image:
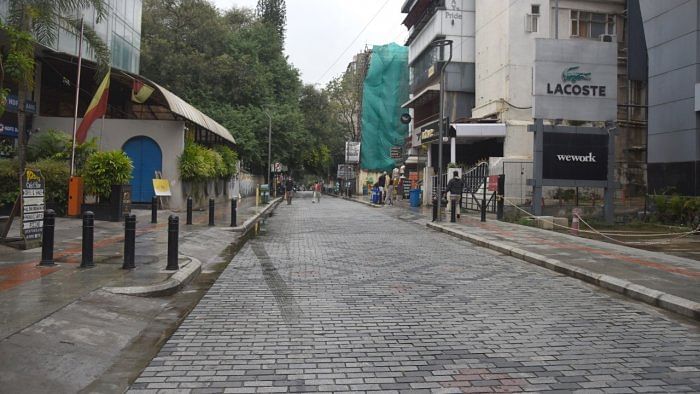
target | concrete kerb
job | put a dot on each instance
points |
(188, 270)
(248, 224)
(177, 281)
(360, 201)
(653, 297)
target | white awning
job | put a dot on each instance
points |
(415, 160)
(187, 111)
(478, 130)
(427, 94)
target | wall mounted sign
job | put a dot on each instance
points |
(575, 156)
(575, 80)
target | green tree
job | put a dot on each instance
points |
(273, 12)
(37, 21)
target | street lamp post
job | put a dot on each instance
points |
(269, 150)
(441, 127)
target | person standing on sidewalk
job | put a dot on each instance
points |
(455, 187)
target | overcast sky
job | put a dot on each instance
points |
(319, 31)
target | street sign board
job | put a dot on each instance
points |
(396, 152)
(352, 152)
(346, 171)
(33, 205)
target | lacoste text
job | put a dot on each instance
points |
(576, 90)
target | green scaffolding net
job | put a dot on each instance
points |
(385, 89)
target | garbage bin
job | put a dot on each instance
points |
(265, 193)
(414, 197)
(375, 195)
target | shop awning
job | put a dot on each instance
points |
(187, 111)
(428, 94)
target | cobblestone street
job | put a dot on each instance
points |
(339, 296)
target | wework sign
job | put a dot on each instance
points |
(575, 156)
(575, 80)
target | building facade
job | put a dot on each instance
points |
(672, 33)
(506, 32)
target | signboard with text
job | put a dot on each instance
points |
(346, 171)
(33, 205)
(575, 80)
(575, 156)
(352, 152)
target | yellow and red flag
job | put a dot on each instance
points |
(96, 109)
(140, 92)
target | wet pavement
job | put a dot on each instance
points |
(655, 276)
(60, 332)
(342, 297)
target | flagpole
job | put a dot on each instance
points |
(77, 95)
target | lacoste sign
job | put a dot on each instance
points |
(575, 80)
(570, 87)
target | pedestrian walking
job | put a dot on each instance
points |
(289, 190)
(317, 192)
(390, 191)
(381, 183)
(455, 186)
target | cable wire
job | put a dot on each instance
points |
(353, 41)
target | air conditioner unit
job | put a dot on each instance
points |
(608, 38)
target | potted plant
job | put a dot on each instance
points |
(107, 175)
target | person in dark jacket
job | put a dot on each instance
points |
(455, 187)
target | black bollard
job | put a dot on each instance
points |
(88, 239)
(435, 209)
(234, 207)
(211, 211)
(154, 209)
(501, 195)
(129, 242)
(483, 201)
(453, 210)
(189, 210)
(173, 234)
(47, 238)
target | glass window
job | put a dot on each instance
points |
(591, 25)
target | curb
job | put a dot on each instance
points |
(248, 224)
(369, 204)
(653, 297)
(176, 281)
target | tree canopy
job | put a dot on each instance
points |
(231, 65)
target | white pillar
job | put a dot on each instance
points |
(453, 150)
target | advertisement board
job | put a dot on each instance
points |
(352, 152)
(575, 80)
(33, 205)
(575, 156)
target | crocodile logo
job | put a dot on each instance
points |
(572, 75)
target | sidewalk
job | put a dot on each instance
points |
(63, 327)
(660, 279)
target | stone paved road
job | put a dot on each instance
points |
(338, 296)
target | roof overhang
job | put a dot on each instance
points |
(478, 131)
(189, 112)
(428, 94)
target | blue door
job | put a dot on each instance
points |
(147, 158)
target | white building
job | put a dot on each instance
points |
(505, 51)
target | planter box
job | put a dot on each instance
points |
(114, 210)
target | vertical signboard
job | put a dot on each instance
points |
(33, 205)
(352, 152)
